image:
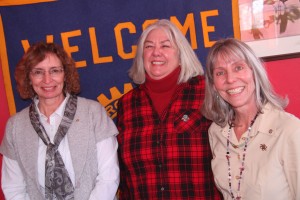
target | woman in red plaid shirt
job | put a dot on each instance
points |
(163, 141)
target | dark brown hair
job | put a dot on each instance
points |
(36, 54)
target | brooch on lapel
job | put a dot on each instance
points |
(263, 147)
(185, 118)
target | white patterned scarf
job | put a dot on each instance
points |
(58, 184)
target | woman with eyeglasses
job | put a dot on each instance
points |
(62, 146)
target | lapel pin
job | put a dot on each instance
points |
(185, 118)
(263, 147)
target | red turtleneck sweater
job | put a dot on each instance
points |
(161, 91)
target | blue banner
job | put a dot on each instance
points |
(101, 37)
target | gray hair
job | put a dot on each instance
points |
(214, 107)
(189, 62)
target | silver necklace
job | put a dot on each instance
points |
(242, 168)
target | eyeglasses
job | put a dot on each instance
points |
(53, 72)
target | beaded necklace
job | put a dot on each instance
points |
(242, 168)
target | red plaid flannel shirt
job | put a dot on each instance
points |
(167, 157)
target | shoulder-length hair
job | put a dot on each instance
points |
(214, 107)
(36, 54)
(189, 63)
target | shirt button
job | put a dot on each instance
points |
(271, 131)
(162, 188)
(157, 142)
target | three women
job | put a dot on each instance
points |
(164, 151)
